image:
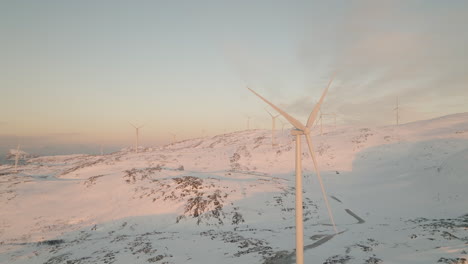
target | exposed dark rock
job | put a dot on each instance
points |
(58, 259)
(282, 257)
(91, 180)
(51, 242)
(373, 260)
(453, 260)
(156, 259)
(337, 259)
(237, 218)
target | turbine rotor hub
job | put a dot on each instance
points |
(297, 131)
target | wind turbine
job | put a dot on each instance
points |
(17, 158)
(137, 136)
(282, 125)
(273, 123)
(173, 137)
(248, 122)
(300, 130)
(397, 109)
(321, 120)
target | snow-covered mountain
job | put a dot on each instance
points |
(399, 195)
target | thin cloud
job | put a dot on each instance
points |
(390, 48)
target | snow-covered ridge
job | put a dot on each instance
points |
(398, 195)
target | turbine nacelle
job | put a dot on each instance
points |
(305, 131)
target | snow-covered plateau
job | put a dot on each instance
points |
(398, 195)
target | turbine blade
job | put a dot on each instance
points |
(132, 125)
(324, 193)
(268, 112)
(291, 119)
(316, 109)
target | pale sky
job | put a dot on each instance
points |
(77, 72)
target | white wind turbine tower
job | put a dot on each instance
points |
(273, 124)
(173, 137)
(282, 125)
(397, 109)
(248, 122)
(137, 129)
(17, 158)
(300, 130)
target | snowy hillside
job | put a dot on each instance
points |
(398, 195)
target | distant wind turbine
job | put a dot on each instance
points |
(282, 125)
(273, 123)
(173, 137)
(248, 122)
(137, 129)
(299, 130)
(321, 120)
(17, 158)
(397, 112)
